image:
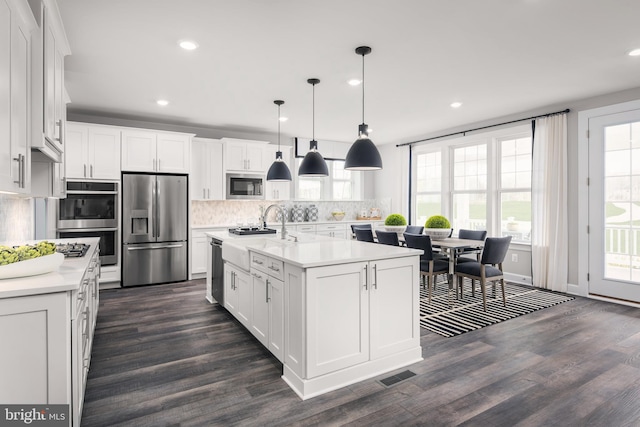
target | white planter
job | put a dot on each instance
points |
(437, 233)
(396, 228)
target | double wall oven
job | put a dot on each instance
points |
(91, 210)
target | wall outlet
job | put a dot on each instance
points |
(514, 257)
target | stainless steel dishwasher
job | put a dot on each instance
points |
(217, 271)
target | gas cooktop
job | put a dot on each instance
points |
(72, 249)
(245, 231)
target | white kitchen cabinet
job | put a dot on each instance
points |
(238, 293)
(92, 151)
(306, 228)
(267, 321)
(150, 151)
(198, 254)
(15, 69)
(354, 313)
(207, 178)
(332, 230)
(278, 190)
(242, 155)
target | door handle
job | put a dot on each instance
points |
(156, 247)
(267, 286)
(375, 276)
(84, 173)
(91, 171)
(366, 277)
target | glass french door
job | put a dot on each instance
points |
(614, 205)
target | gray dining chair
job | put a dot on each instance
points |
(488, 269)
(470, 235)
(430, 268)
(387, 237)
(414, 229)
(361, 226)
(363, 234)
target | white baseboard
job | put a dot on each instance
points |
(517, 278)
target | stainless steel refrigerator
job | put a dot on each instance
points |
(154, 229)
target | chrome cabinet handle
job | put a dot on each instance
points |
(84, 172)
(257, 261)
(19, 160)
(366, 277)
(267, 285)
(159, 168)
(204, 196)
(375, 276)
(91, 171)
(208, 193)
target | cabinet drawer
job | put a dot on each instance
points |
(306, 228)
(259, 262)
(331, 227)
(270, 266)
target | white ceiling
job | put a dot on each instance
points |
(497, 57)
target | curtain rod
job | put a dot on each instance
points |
(464, 132)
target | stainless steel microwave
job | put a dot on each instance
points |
(245, 186)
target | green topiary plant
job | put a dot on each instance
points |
(437, 221)
(395, 219)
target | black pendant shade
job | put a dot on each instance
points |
(313, 164)
(279, 171)
(363, 154)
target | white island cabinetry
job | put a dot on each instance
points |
(334, 311)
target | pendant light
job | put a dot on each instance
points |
(363, 154)
(313, 163)
(279, 171)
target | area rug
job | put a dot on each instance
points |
(467, 313)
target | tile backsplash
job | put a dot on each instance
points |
(16, 218)
(231, 212)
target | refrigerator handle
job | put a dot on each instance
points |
(157, 215)
(153, 208)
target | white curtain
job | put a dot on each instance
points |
(549, 234)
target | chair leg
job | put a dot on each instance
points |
(504, 299)
(429, 286)
(473, 288)
(484, 295)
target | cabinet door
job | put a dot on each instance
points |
(245, 297)
(255, 156)
(234, 156)
(337, 317)
(49, 56)
(173, 153)
(104, 152)
(19, 106)
(260, 313)
(199, 255)
(276, 318)
(394, 302)
(8, 168)
(36, 366)
(216, 173)
(200, 169)
(230, 290)
(138, 151)
(77, 153)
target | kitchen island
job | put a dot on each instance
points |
(333, 311)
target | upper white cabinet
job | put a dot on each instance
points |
(49, 104)
(207, 181)
(242, 155)
(278, 190)
(150, 151)
(92, 151)
(16, 24)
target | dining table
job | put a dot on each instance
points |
(453, 247)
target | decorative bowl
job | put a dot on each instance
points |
(32, 267)
(437, 233)
(338, 216)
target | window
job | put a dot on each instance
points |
(515, 188)
(480, 182)
(428, 185)
(341, 184)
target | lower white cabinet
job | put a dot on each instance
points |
(332, 230)
(198, 255)
(238, 292)
(354, 313)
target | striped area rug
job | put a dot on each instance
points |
(467, 313)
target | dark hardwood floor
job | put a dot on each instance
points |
(163, 356)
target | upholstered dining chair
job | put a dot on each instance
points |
(387, 237)
(429, 267)
(362, 226)
(414, 229)
(470, 235)
(488, 269)
(363, 234)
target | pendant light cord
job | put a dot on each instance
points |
(363, 88)
(313, 113)
(278, 127)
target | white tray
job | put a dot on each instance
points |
(32, 267)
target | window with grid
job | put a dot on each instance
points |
(341, 184)
(515, 188)
(428, 188)
(469, 196)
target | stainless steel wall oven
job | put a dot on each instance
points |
(91, 210)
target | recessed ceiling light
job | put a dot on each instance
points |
(188, 44)
(162, 102)
(634, 52)
(456, 104)
(354, 82)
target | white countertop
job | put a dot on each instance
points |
(278, 224)
(316, 251)
(67, 278)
